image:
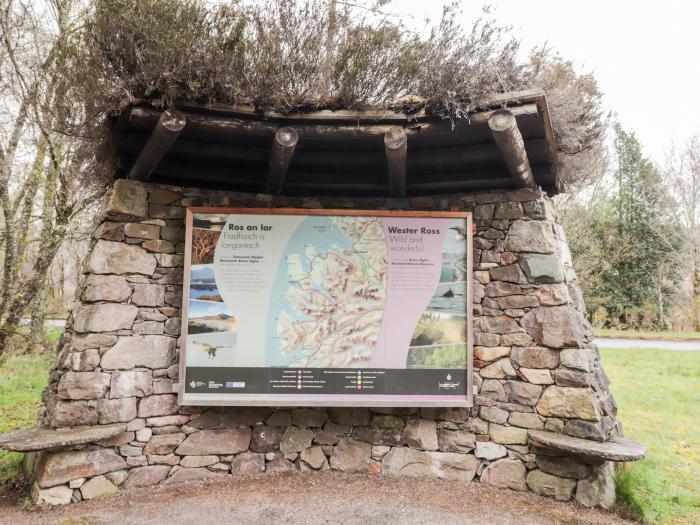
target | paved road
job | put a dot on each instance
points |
(683, 346)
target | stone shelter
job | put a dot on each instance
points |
(543, 418)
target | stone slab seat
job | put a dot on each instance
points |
(618, 449)
(34, 439)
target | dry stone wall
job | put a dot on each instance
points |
(535, 366)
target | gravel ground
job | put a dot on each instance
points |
(314, 498)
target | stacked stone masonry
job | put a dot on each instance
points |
(535, 366)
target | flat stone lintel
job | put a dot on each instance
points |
(618, 449)
(34, 439)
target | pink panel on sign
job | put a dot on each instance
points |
(414, 264)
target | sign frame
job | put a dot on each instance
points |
(179, 387)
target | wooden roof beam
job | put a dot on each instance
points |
(395, 145)
(509, 140)
(164, 134)
(283, 146)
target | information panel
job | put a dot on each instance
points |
(326, 307)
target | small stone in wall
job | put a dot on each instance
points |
(422, 434)
(405, 461)
(555, 326)
(73, 413)
(295, 440)
(526, 420)
(489, 450)
(578, 358)
(158, 405)
(116, 410)
(506, 435)
(309, 417)
(278, 464)
(544, 484)
(535, 357)
(163, 444)
(500, 369)
(578, 403)
(542, 269)
(104, 317)
(523, 393)
(215, 442)
(141, 231)
(454, 441)
(83, 385)
(505, 474)
(490, 353)
(106, 288)
(247, 463)
(314, 457)
(351, 455)
(127, 200)
(598, 490)
(350, 416)
(148, 295)
(265, 438)
(198, 461)
(117, 477)
(564, 467)
(96, 487)
(536, 376)
(60, 495)
(131, 383)
(530, 236)
(56, 468)
(146, 475)
(85, 361)
(149, 351)
(109, 257)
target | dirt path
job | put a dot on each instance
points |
(315, 498)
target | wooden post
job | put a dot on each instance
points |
(169, 125)
(395, 145)
(504, 129)
(283, 147)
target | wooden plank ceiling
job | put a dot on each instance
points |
(507, 143)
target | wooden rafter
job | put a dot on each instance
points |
(164, 134)
(283, 147)
(504, 129)
(395, 146)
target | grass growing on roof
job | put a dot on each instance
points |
(658, 394)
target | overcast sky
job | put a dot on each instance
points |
(645, 54)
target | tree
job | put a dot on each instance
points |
(682, 170)
(47, 162)
(633, 244)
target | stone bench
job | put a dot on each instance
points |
(618, 449)
(36, 439)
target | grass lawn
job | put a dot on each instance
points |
(642, 334)
(658, 394)
(22, 379)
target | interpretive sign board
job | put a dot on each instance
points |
(326, 308)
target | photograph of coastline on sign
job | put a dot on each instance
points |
(211, 334)
(209, 316)
(203, 283)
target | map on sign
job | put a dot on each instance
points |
(334, 291)
(299, 307)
